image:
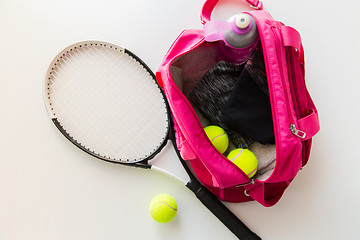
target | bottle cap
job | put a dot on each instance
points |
(242, 21)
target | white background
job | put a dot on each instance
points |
(51, 190)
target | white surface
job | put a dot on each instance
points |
(51, 190)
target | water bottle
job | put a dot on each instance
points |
(237, 38)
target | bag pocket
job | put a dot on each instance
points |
(303, 104)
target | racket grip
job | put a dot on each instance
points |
(233, 223)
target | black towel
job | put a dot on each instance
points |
(248, 110)
(211, 94)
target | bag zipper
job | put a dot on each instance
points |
(296, 101)
(289, 61)
(292, 81)
(275, 26)
(297, 132)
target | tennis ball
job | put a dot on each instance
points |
(163, 208)
(218, 137)
(245, 160)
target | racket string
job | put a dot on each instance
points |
(92, 117)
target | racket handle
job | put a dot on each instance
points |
(233, 223)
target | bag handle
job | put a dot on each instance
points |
(209, 6)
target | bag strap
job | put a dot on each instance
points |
(292, 38)
(309, 125)
(209, 6)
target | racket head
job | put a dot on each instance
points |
(106, 101)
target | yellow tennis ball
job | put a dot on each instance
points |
(218, 137)
(163, 208)
(245, 160)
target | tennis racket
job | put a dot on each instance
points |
(106, 101)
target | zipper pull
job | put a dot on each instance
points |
(297, 132)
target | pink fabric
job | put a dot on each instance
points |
(213, 169)
(291, 38)
(209, 6)
(309, 124)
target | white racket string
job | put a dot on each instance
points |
(107, 102)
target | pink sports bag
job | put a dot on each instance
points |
(189, 65)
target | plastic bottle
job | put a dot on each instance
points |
(238, 38)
